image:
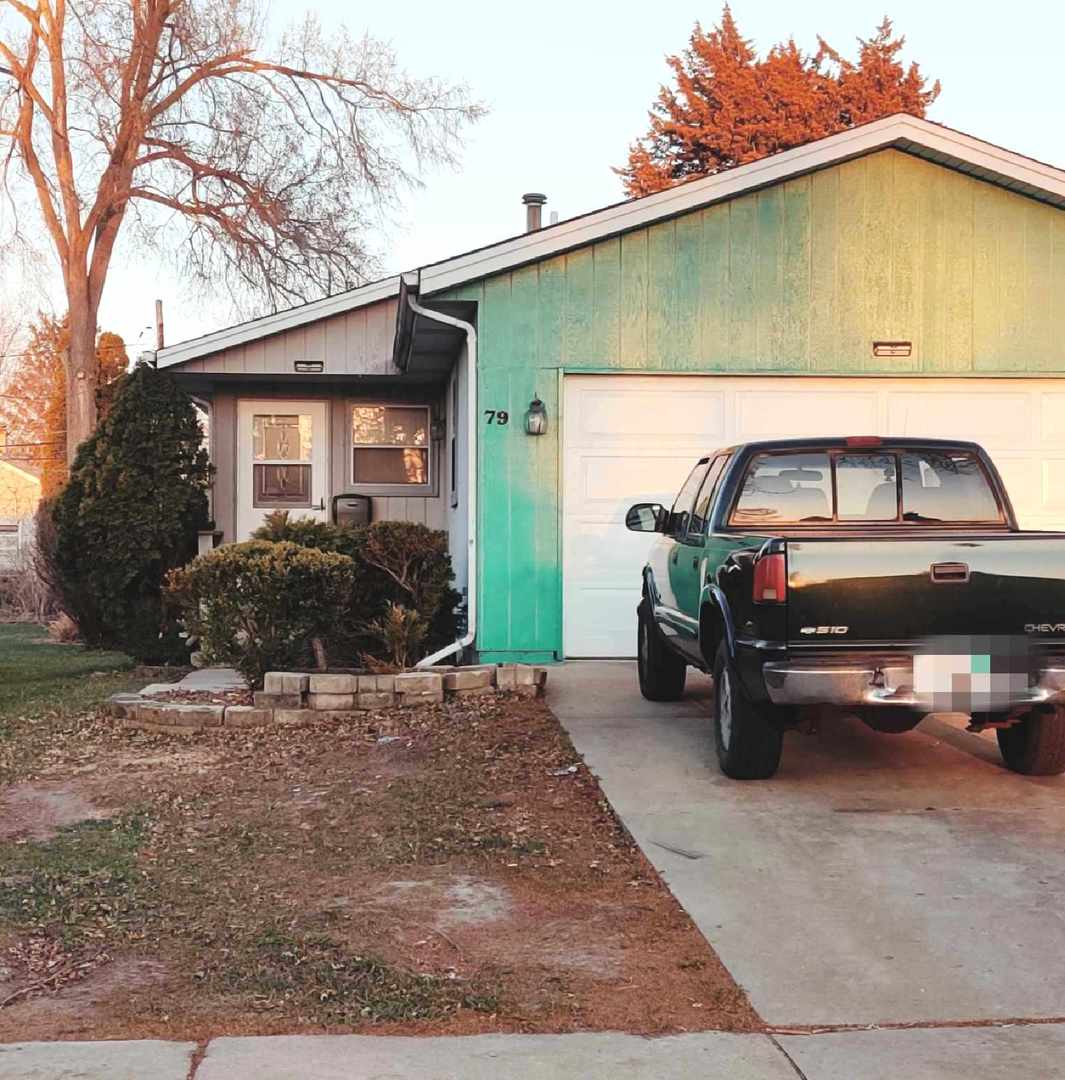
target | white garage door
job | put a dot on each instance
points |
(630, 438)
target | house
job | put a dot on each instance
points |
(898, 278)
(20, 492)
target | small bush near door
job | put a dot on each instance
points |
(258, 606)
(397, 564)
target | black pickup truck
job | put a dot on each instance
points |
(886, 577)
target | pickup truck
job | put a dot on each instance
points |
(886, 577)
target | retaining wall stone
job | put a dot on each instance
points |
(294, 698)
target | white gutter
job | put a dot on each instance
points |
(471, 481)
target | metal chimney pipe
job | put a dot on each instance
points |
(534, 202)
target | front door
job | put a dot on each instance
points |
(282, 461)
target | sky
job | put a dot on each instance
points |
(568, 85)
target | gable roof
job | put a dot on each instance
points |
(923, 138)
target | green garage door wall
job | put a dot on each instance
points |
(798, 278)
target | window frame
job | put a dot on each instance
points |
(427, 489)
(835, 522)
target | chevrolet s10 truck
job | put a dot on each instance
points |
(885, 577)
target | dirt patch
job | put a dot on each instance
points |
(39, 811)
(466, 875)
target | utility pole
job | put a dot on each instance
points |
(159, 339)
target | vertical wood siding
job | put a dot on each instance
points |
(799, 278)
(355, 342)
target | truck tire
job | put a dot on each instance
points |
(662, 672)
(1035, 746)
(748, 743)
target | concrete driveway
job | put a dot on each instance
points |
(878, 879)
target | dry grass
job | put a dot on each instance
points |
(452, 868)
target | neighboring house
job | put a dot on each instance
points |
(20, 492)
(899, 278)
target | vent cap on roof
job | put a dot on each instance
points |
(534, 203)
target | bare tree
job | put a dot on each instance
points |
(260, 166)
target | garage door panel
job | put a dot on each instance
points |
(612, 632)
(764, 414)
(635, 438)
(1052, 418)
(609, 484)
(1003, 419)
(648, 416)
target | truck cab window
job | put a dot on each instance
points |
(789, 488)
(866, 487)
(682, 507)
(946, 486)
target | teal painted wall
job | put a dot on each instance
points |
(800, 278)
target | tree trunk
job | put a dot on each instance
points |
(82, 375)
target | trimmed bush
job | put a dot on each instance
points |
(397, 563)
(130, 512)
(259, 605)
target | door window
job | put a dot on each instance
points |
(281, 454)
(682, 507)
(701, 513)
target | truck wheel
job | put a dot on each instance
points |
(1035, 746)
(748, 743)
(662, 672)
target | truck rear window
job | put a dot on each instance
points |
(907, 487)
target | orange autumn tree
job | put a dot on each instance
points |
(728, 107)
(38, 389)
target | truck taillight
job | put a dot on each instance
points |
(771, 579)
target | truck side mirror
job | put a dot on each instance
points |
(646, 517)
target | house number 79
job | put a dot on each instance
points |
(497, 416)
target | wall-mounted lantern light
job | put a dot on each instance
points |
(536, 418)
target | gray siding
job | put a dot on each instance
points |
(425, 510)
(356, 342)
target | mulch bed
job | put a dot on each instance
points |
(205, 697)
(444, 869)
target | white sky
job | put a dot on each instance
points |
(569, 85)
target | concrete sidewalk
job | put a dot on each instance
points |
(999, 1053)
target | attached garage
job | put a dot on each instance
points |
(630, 438)
(899, 278)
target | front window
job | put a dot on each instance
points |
(390, 444)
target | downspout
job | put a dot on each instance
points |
(471, 480)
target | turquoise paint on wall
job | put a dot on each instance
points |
(799, 278)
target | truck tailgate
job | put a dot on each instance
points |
(857, 590)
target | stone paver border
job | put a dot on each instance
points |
(297, 698)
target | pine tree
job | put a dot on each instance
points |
(727, 107)
(130, 512)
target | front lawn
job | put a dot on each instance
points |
(37, 675)
(451, 868)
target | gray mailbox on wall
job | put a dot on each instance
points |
(352, 510)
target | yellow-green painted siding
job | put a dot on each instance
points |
(799, 278)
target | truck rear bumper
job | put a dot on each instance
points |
(881, 681)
